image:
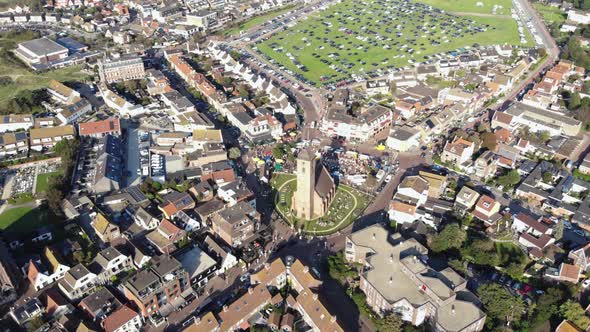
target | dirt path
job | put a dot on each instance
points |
(479, 14)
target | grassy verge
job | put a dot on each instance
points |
(550, 14)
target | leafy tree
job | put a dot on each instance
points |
(234, 153)
(392, 322)
(339, 270)
(509, 179)
(489, 141)
(35, 323)
(575, 101)
(547, 306)
(451, 237)
(278, 151)
(482, 252)
(574, 312)
(499, 304)
(547, 177)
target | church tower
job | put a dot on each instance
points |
(303, 198)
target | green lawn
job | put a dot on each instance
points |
(23, 220)
(258, 20)
(352, 38)
(471, 6)
(549, 13)
(43, 181)
(347, 206)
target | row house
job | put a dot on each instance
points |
(46, 138)
(15, 122)
(13, 143)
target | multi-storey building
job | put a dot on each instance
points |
(235, 224)
(123, 69)
(397, 280)
(160, 284)
(101, 128)
(14, 122)
(46, 138)
(13, 143)
(77, 282)
(365, 125)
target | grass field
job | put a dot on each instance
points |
(22, 220)
(23, 77)
(257, 20)
(358, 38)
(550, 14)
(472, 6)
(346, 207)
(43, 181)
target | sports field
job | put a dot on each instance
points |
(366, 37)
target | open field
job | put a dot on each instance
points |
(550, 14)
(25, 79)
(502, 7)
(257, 20)
(347, 206)
(358, 38)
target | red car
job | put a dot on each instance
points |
(525, 289)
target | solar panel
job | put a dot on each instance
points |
(21, 136)
(136, 193)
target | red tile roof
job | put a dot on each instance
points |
(99, 127)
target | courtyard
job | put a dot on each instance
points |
(356, 39)
(347, 206)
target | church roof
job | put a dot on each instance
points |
(323, 181)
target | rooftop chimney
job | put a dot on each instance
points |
(224, 308)
(266, 266)
(306, 269)
(197, 320)
(315, 297)
(373, 236)
(333, 319)
(390, 280)
(250, 290)
(453, 309)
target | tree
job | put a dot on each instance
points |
(547, 306)
(574, 312)
(547, 177)
(489, 141)
(574, 102)
(451, 237)
(234, 153)
(509, 179)
(499, 303)
(482, 252)
(392, 322)
(35, 323)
